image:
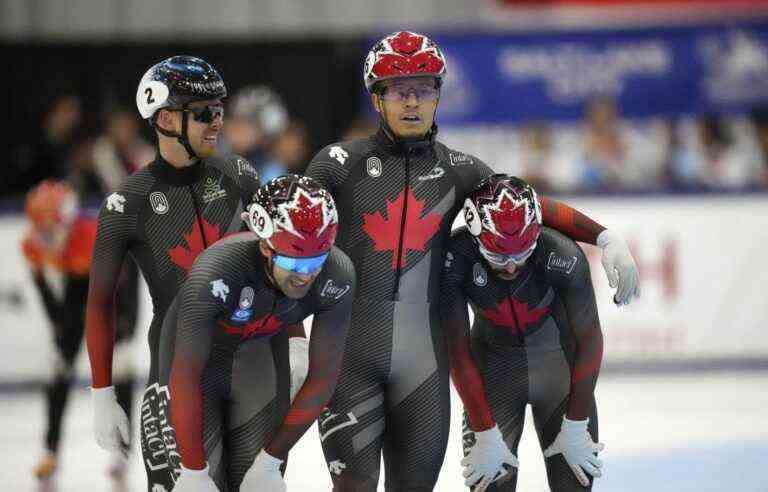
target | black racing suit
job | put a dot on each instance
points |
(224, 362)
(163, 217)
(536, 340)
(396, 204)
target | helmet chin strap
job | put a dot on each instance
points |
(183, 137)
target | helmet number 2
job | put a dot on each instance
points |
(148, 92)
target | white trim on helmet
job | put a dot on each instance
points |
(151, 95)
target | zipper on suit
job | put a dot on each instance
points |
(402, 227)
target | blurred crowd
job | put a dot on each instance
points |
(603, 152)
(258, 127)
(607, 153)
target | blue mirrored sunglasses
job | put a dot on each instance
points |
(304, 266)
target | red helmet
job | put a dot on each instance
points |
(403, 54)
(295, 215)
(504, 215)
(51, 203)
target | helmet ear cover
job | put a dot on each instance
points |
(472, 218)
(258, 220)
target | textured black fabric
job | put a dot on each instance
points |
(223, 362)
(396, 208)
(524, 340)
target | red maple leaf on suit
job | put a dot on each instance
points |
(385, 230)
(263, 326)
(508, 309)
(185, 253)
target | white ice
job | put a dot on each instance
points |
(703, 433)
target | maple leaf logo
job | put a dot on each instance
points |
(306, 217)
(512, 222)
(385, 231)
(313, 219)
(264, 326)
(508, 309)
(185, 253)
(406, 42)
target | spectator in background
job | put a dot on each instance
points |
(716, 166)
(99, 166)
(759, 118)
(542, 162)
(710, 157)
(537, 148)
(46, 155)
(256, 121)
(618, 155)
(291, 147)
(604, 148)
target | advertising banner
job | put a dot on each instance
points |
(700, 261)
(549, 75)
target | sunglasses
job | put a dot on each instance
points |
(400, 93)
(204, 114)
(502, 260)
(304, 266)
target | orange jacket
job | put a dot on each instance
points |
(73, 258)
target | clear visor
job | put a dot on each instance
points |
(401, 90)
(502, 260)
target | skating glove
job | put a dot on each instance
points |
(578, 449)
(195, 481)
(298, 349)
(619, 267)
(484, 463)
(264, 475)
(110, 424)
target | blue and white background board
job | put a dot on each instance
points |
(512, 78)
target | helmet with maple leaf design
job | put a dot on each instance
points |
(295, 215)
(504, 215)
(403, 54)
(51, 203)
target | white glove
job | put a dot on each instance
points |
(579, 450)
(195, 481)
(264, 475)
(110, 424)
(619, 267)
(298, 350)
(484, 463)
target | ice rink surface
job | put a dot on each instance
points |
(702, 432)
